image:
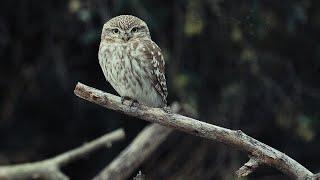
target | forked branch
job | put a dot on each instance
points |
(50, 168)
(259, 152)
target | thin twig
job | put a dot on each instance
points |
(262, 153)
(139, 176)
(50, 168)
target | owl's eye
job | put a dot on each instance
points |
(115, 31)
(135, 29)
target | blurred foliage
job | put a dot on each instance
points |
(250, 65)
(193, 21)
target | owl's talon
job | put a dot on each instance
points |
(123, 98)
(167, 109)
(132, 103)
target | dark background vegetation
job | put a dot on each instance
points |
(248, 64)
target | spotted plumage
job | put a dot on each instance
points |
(131, 62)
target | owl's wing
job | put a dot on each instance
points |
(156, 62)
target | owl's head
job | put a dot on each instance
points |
(124, 28)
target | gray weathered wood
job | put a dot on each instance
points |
(261, 152)
(50, 168)
(137, 152)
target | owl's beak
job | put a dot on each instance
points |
(126, 36)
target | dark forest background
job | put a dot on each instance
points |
(247, 64)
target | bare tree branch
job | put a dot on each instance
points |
(262, 153)
(316, 176)
(142, 147)
(50, 168)
(248, 168)
(137, 152)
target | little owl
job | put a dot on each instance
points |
(131, 62)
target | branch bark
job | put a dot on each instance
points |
(248, 167)
(261, 152)
(136, 153)
(50, 168)
(139, 150)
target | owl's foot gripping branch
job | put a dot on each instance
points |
(258, 152)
